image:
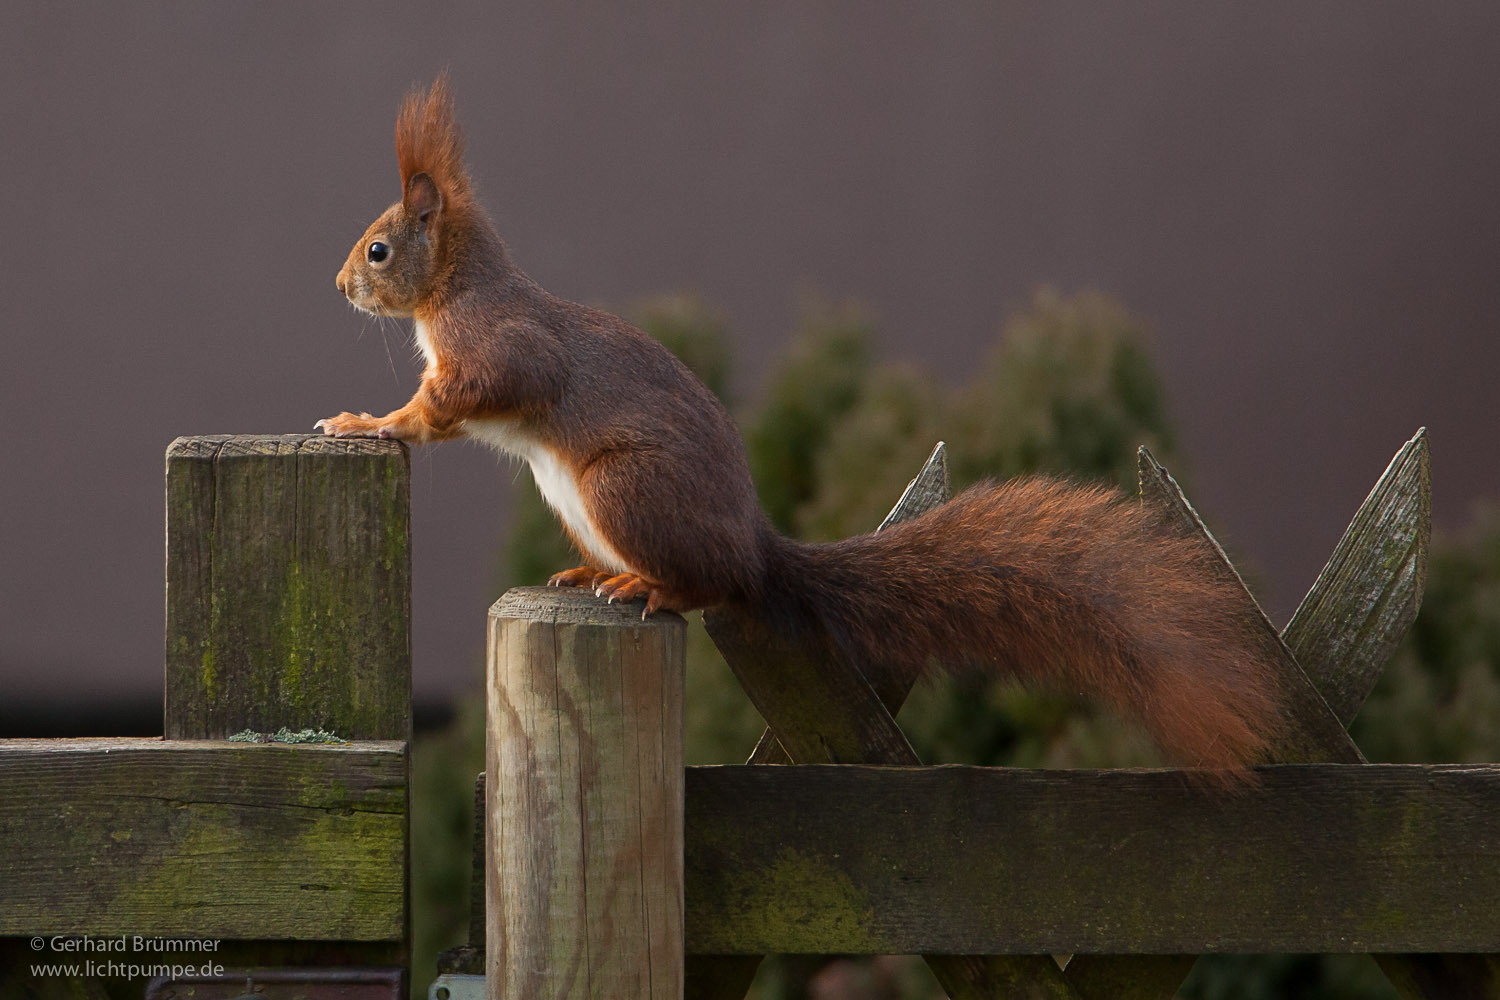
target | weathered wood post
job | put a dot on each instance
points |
(288, 586)
(584, 799)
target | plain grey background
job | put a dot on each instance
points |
(1301, 199)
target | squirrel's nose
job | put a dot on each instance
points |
(339, 280)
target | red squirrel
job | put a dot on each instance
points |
(1076, 587)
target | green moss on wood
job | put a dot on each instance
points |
(806, 893)
(285, 735)
(204, 839)
(210, 673)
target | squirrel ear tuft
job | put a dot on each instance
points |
(429, 141)
(423, 200)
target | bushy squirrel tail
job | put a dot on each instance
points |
(1059, 585)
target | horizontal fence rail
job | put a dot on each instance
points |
(972, 860)
(203, 839)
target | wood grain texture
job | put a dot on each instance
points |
(203, 839)
(1322, 858)
(1368, 594)
(583, 808)
(929, 488)
(288, 586)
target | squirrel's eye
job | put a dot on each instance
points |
(378, 252)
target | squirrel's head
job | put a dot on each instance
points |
(398, 262)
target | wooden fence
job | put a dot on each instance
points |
(613, 871)
(288, 606)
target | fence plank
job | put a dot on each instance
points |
(1367, 595)
(288, 586)
(1345, 630)
(203, 839)
(1321, 858)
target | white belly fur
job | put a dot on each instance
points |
(555, 479)
(424, 342)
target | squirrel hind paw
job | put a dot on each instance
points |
(625, 587)
(629, 586)
(578, 576)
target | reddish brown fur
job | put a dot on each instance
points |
(1069, 586)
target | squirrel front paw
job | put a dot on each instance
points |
(353, 425)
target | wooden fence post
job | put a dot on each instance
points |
(288, 586)
(584, 799)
